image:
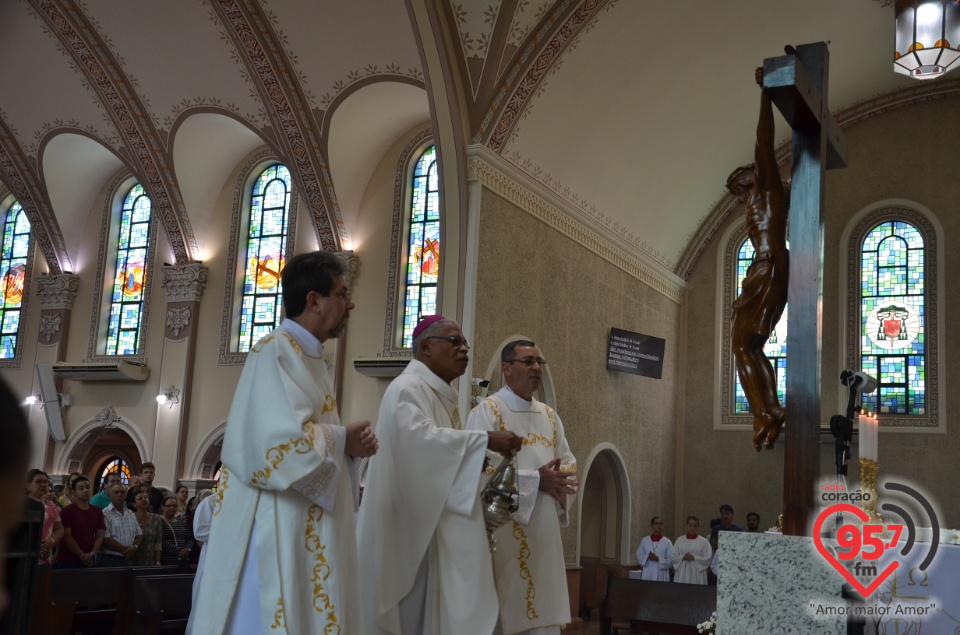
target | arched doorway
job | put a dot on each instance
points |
(206, 462)
(97, 450)
(603, 527)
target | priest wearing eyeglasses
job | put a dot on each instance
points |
(528, 564)
(424, 558)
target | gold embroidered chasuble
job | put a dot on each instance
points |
(529, 565)
(421, 504)
(286, 481)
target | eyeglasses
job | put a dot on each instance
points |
(453, 339)
(170, 506)
(529, 361)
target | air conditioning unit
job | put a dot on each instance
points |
(120, 370)
(381, 367)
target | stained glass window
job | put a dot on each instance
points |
(265, 256)
(126, 300)
(114, 464)
(892, 314)
(13, 265)
(776, 346)
(423, 249)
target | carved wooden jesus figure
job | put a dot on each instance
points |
(764, 294)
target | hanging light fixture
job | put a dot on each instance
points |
(928, 37)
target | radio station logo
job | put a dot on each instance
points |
(860, 547)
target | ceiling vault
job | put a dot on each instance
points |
(287, 108)
(104, 74)
(25, 185)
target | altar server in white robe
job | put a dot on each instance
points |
(691, 555)
(281, 557)
(528, 564)
(424, 557)
(655, 553)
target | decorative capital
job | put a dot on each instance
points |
(58, 291)
(107, 417)
(184, 283)
(178, 318)
(351, 265)
(50, 325)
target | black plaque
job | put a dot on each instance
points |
(635, 353)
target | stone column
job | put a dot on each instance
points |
(56, 294)
(184, 286)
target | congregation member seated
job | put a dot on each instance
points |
(691, 555)
(150, 548)
(177, 538)
(38, 487)
(753, 522)
(654, 553)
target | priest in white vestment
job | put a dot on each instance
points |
(281, 557)
(655, 553)
(424, 557)
(691, 555)
(528, 564)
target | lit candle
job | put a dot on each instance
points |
(868, 426)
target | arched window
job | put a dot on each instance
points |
(262, 235)
(776, 346)
(265, 255)
(423, 244)
(128, 240)
(892, 308)
(892, 327)
(129, 281)
(413, 280)
(735, 256)
(14, 266)
(113, 464)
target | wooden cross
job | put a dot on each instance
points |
(797, 83)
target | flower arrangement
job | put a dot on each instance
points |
(710, 626)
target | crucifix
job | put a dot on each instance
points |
(797, 83)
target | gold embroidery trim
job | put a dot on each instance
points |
(221, 489)
(277, 454)
(278, 616)
(522, 557)
(321, 571)
(532, 437)
(329, 405)
(293, 342)
(256, 348)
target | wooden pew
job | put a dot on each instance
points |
(85, 600)
(98, 601)
(661, 607)
(161, 604)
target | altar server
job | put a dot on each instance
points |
(655, 553)
(691, 555)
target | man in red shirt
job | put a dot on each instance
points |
(83, 526)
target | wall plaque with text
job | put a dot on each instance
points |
(635, 353)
